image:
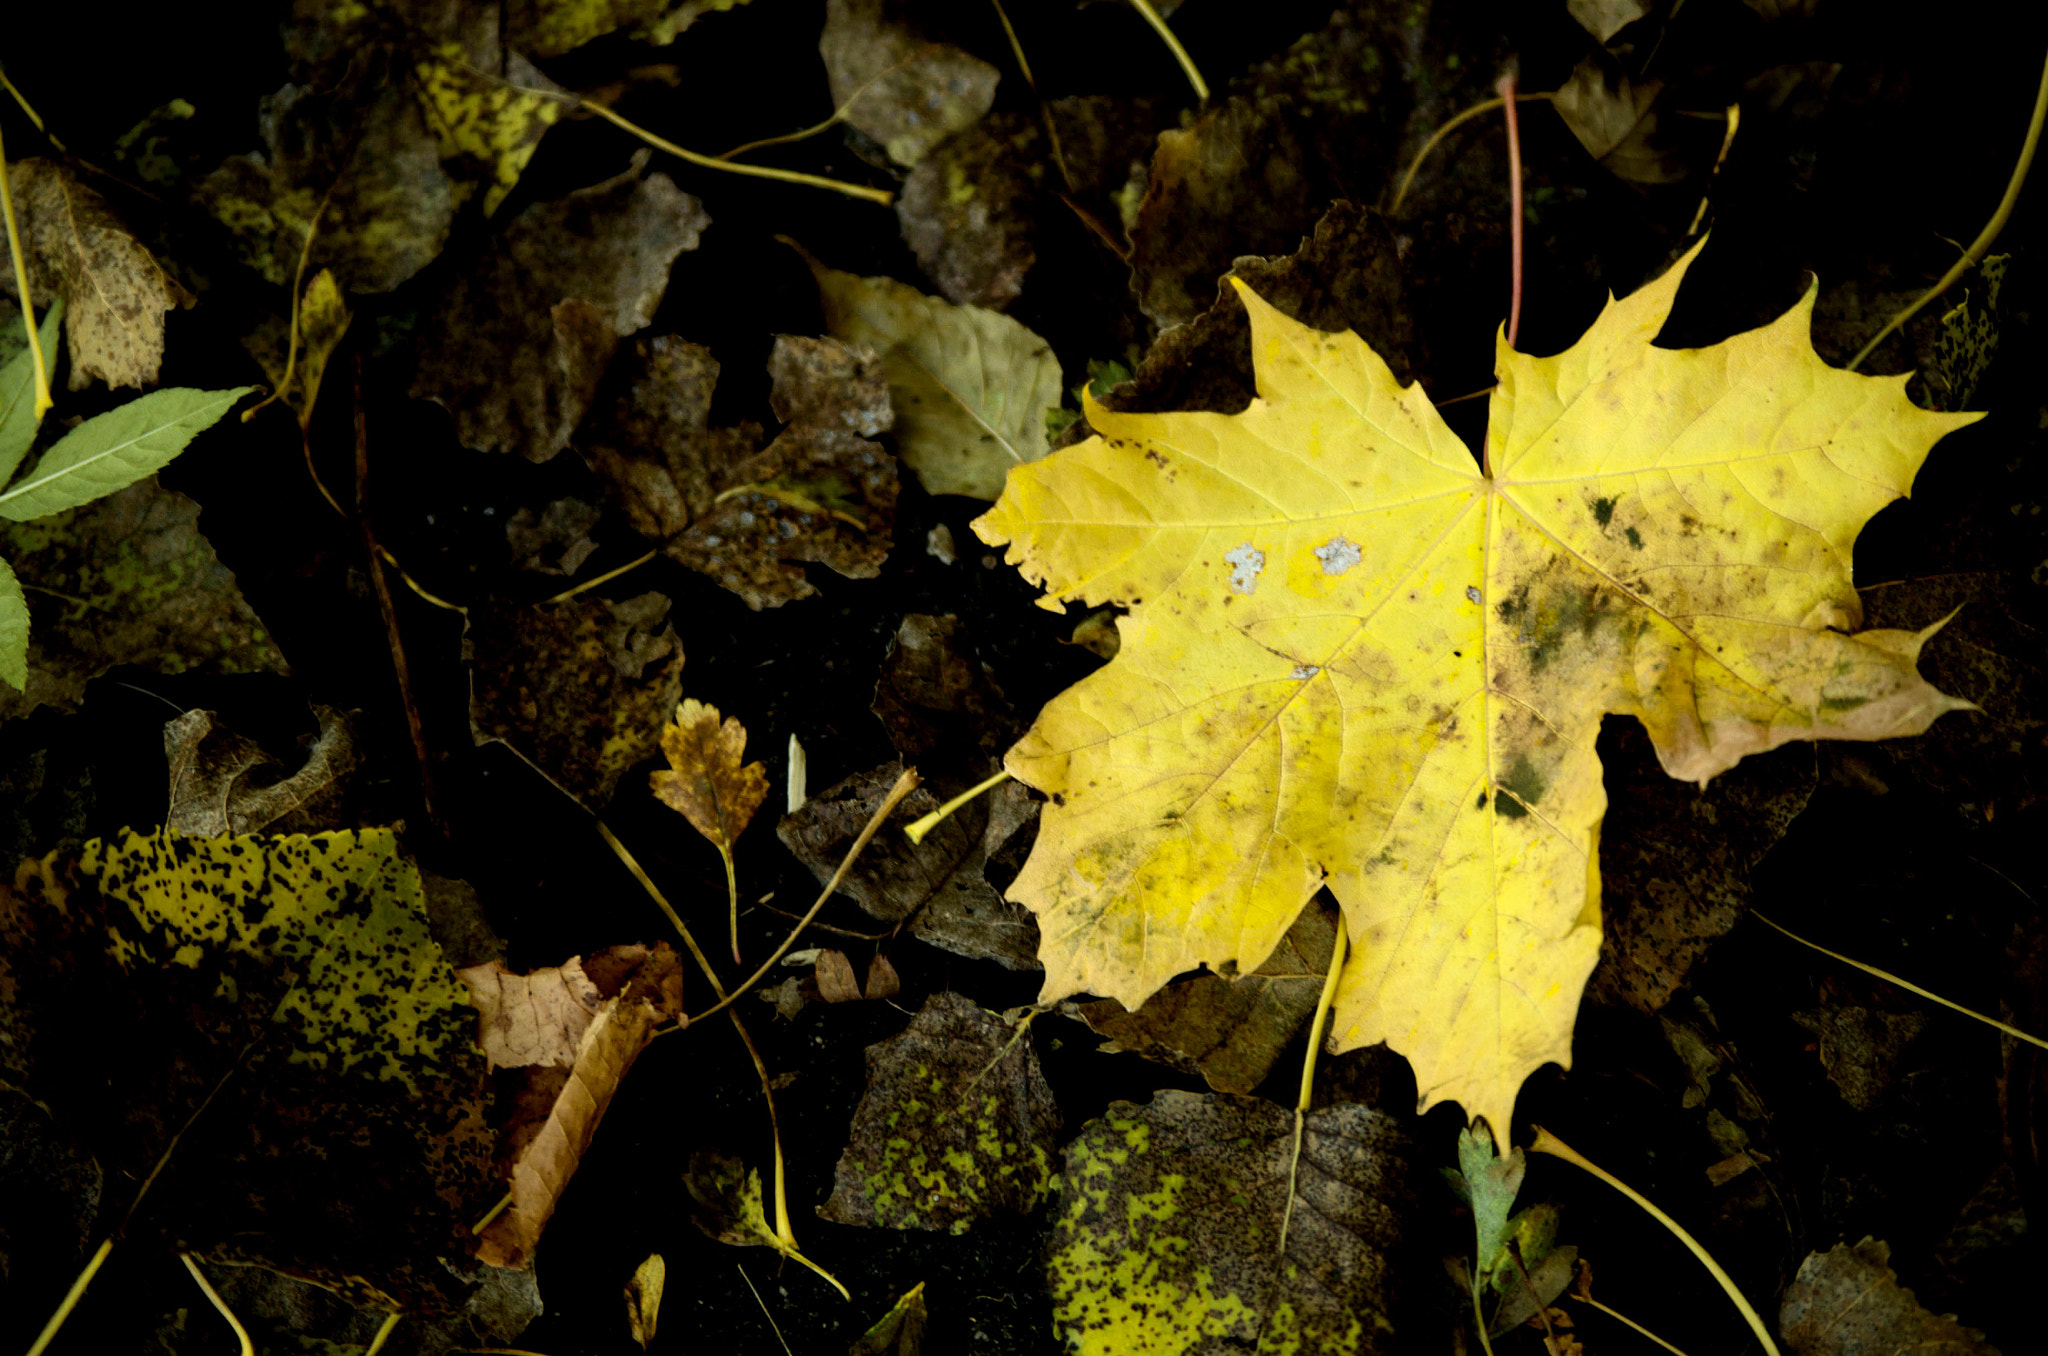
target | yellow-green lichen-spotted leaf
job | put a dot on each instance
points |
(495, 122)
(343, 912)
(1353, 655)
(958, 1123)
(1167, 1233)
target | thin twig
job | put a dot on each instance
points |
(29, 109)
(1982, 244)
(206, 1288)
(566, 594)
(905, 784)
(1052, 132)
(1906, 984)
(764, 1307)
(1180, 53)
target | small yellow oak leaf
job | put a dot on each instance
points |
(708, 786)
(1355, 658)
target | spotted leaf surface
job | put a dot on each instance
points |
(1357, 654)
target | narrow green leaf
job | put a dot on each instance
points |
(13, 629)
(116, 449)
(18, 422)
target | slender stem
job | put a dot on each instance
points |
(917, 829)
(1180, 53)
(1479, 1316)
(1905, 984)
(1507, 101)
(772, 1325)
(1477, 110)
(29, 109)
(504, 1202)
(383, 1334)
(28, 308)
(905, 784)
(1052, 131)
(71, 1298)
(1982, 244)
(291, 349)
(1547, 1143)
(1308, 1068)
(566, 594)
(880, 195)
(1734, 116)
(206, 1287)
(1626, 1321)
(661, 902)
(732, 901)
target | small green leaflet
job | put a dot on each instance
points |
(18, 422)
(13, 630)
(115, 449)
(1491, 1184)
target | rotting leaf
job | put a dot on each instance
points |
(1230, 1031)
(293, 980)
(938, 884)
(576, 1029)
(1616, 120)
(1167, 1234)
(494, 118)
(115, 292)
(548, 28)
(543, 310)
(913, 93)
(1860, 1047)
(129, 579)
(834, 976)
(1969, 338)
(957, 1124)
(555, 539)
(969, 210)
(1847, 1302)
(224, 784)
(643, 1299)
(705, 781)
(830, 385)
(323, 321)
(900, 1332)
(970, 386)
(726, 1201)
(581, 689)
(941, 705)
(1354, 655)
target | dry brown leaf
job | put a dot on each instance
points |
(222, 783)
(707, 783)
(643, 1298)
(913, 93)
(115, 293)
(829, 384)
(882, 978)
(1616, 120)
(1847, 1302)
(836, 983)
(576, 1029)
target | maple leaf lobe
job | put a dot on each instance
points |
(1664, 533)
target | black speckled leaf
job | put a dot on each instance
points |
(293, 980)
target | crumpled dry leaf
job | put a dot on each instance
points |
(581, 689)
(366, 1063)
(546, 28)
(970, 386)
(1604, 18)
(1320, 121)
(115, 292)
(1860, 1047)
(750, 519)
(969, 210)
(1167, 1236)
(224, 784)
(957, 1124)
(942, 707)
(128, 580)
(1616, 120)
(491, 116)
(725, 1196)
(705, 781)
(576, 1029)
(834, 977)
(938, 885)
(1228, 1030)
(555, 539)
(542, 312)
(643, 1299)
(1657, 532)
(1847, 1302)
(914, 93)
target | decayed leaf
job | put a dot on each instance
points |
(970, 387)
(222, 783)
(1860, 1047)
(1969, 338)
(643, 1299)
(748, 518)
(546, 28)
(834, 975)
(1604, 18)
(554, 540)
(494, 118)
(323, 321)
(576, 1029)
(1847, 1302)
(938, 884)
(1230, 1031)
(115, 292)
(1353, 655)
(942, 707)
(1615, 119)
(900, 1332)
(129, 580)
(726, 1197)
(914, 93)
(969, 209)
(1166, 1238)
(542, 311)
(581, 689)
(302, 967)
(957, 1124)
(706, 782)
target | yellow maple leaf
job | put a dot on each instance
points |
(1355, 657)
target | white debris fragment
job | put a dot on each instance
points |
(1246, 562)
(1305, 671)
(1338, 555)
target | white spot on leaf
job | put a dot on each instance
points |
(1246, 562)
(1338, 555)
(1305, 671)
(1472, 592)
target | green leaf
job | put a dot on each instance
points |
(1493, 1183)
(18, 419)
(116, 449)
(13, 629)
